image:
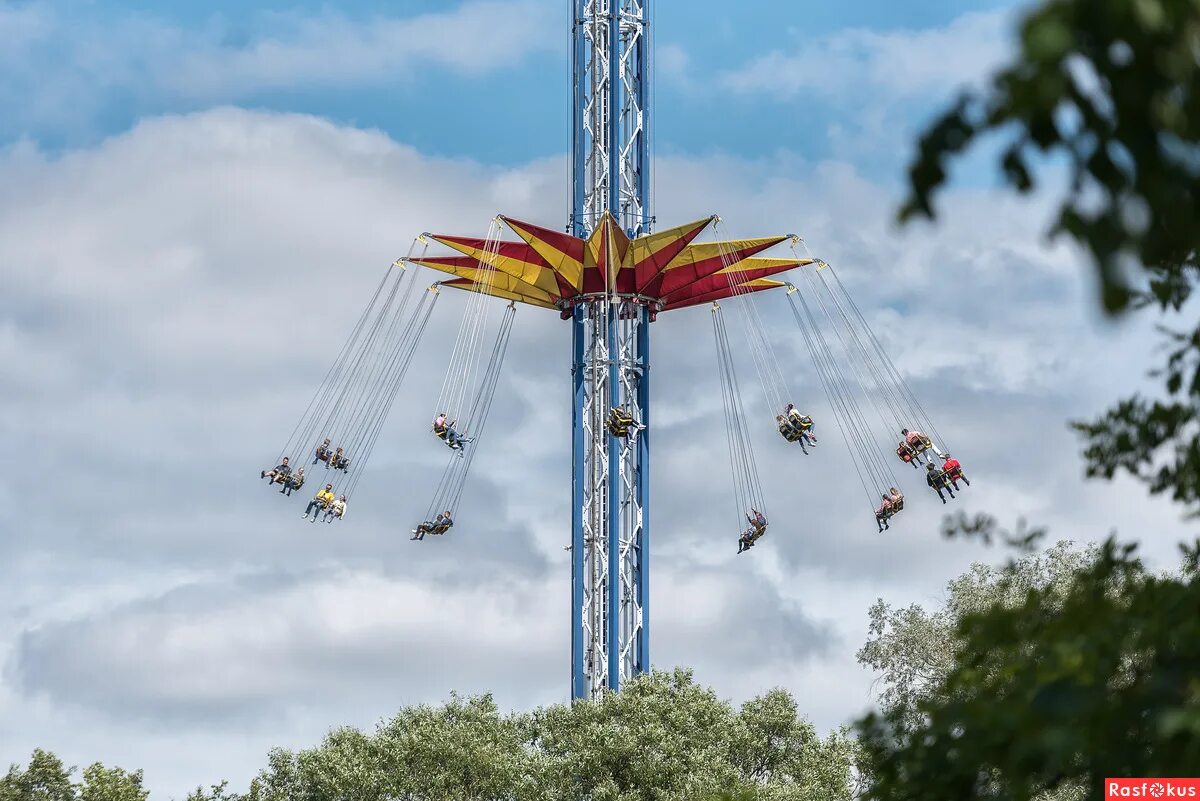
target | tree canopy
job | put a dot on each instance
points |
(662, 737)
(46, 778)
(1077, 667)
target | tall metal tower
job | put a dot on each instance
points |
(610, 277)
(610, 526)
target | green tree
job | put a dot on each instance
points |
(111, 784)
(463, 750)
(914, 650)
(216, 792)
(1053, 689)
(45, 778)
(663, 737)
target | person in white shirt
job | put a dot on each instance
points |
(336, 509)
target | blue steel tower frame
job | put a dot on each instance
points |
(609, 276)
(610, 175)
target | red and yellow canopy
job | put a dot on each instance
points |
(550, 268)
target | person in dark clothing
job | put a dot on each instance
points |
(758, 527)
(937, 480)
(439, 525)
(279, 473)
(293, 482)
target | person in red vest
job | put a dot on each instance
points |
(953, 471)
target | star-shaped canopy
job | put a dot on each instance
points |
(666, 269)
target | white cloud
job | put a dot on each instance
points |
(890, 67)
(172, 294)
(867, 90)
(331, 50)
(60, 70)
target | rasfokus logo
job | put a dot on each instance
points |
(1151, 788)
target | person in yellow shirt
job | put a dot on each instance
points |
(320, 501)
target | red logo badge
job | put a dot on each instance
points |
(1151, 789)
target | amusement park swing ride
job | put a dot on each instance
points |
(609, 276)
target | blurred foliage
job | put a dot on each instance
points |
(1113, 88)
(1110, 89)
(1157, 441)
(1063, 680)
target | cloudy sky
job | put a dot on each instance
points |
(197, 199)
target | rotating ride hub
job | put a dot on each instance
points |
(610, 286)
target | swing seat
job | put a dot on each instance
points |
(619, 422)
(920, 446)
(803, 422)
(791, 433)
(896, 507)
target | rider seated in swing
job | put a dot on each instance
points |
(796, 427)
(952, 470)
(279, 473)
(445, 431)
(938, 481)
(800, 421)
(337, 509)
(893, 502)
(293, 482)
(324, 452)
(758, 527)
(913, 444)
(620, 421)
(439, 525)
(793, 434)
(320, 501)
(339, 461)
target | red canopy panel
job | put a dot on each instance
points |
(561, 251)
(757, 286)
(496, 291)
(603, 257)
(470, 269)
(745, 271)
(550, 268)
(518, 259)
(652, 254)
(699, 261)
